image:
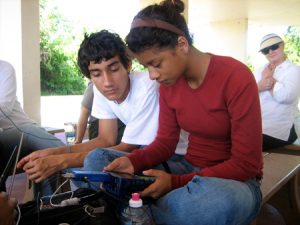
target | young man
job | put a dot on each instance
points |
(118, 94)
(86, 118)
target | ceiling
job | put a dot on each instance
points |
(258, 12)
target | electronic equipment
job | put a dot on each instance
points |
(11, 166)
(121, 185)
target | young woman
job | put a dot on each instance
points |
(215, 99)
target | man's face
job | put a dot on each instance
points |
(111, 78)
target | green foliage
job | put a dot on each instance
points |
(136, 66)
(60, 74)
(250, 64)
(292, 44)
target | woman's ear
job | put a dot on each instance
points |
(182, 44)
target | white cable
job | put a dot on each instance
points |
(59, 205)
(88, 210)
(70, 201)
(19, 214)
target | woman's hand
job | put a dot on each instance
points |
(266, 84)
(268, 71)
(161, 186)
(122, 164)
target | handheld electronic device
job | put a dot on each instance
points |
(124, 184)
(93, 176)
(116, 183)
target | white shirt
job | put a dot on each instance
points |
(279, 110)
(10, 107)
(139, 111)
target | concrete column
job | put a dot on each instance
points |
(230, 38)
(19, 44)
(223, 38)
(31, 58)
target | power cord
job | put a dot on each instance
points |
(71, 199)
(19, 214)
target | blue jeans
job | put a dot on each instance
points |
(35, 138)
(203, 201)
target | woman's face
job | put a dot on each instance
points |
(165, 66)
(276, 56)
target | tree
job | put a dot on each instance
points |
(292, 44)
(60, 74)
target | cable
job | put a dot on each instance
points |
(15, 166)
(19, 214)
(38, 208)
(59, 205)
(21, 131)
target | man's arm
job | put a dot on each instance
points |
(40, 165)
(8, 89)
(82, 124)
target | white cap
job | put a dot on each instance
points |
(269, 40)
(135, 201)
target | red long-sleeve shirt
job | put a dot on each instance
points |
(224, 121)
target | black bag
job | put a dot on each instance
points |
(92, 208)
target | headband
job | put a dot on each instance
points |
(157, 24)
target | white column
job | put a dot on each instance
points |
(31, 58)
(223, 38)
(230, 38)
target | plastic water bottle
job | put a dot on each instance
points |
(70, 133)
(136, 213)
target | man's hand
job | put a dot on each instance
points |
(7, 210)
(41, 168)
(161, 186)
(122, 164)
(36, 155)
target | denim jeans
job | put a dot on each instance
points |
(203, 201)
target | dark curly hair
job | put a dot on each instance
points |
(102, 45)
(141, 38)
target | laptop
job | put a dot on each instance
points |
(11, 165)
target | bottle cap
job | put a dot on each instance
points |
(135, 200)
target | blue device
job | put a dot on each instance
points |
(94, 176)
(119, 184)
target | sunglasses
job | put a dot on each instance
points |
(266, 51)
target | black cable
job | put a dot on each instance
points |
(38, 208)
